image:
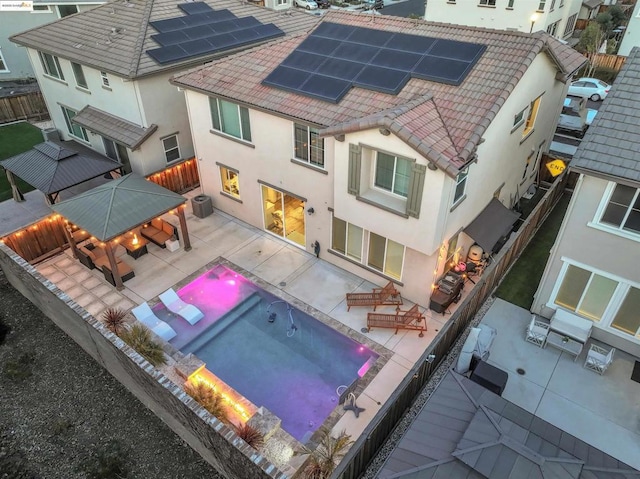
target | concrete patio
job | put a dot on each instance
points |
(603, 411)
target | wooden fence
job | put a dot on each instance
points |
(376, 433)
(28, 106)
(581, 23)
(45, 238)
(605, 60)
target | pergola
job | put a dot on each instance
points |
(53, 166)
(110, 210)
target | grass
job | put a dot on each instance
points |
(15, 139)
(521, 283)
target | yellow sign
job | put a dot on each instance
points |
(556, 167)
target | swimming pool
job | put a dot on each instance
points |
(273, 354)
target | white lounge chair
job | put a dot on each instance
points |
(174, 304)
(598, 358)
(147, 317)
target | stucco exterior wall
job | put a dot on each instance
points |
(631, 36)
(597, 250)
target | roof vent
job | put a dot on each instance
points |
(116, 30)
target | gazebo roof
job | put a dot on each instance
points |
(116, 207)
(54, 166)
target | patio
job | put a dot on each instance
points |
(603, 411)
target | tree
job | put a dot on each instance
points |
(617, 15)
(605, 20)
(591, 38)
(327, 455)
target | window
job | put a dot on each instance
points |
(171, 148)
(3, 64)
(229, 180)
(461, 185)
(105, 79)
(346, 238)
(66, 10)
(488, 3)
(117, 152)
(510, 4)
(308, 146)
(553, 5)
(41, 9)
(623, 209)
(79, 75)
(518, 119)
(392, 174)
(553, 28)
(385, 255)
(531, 117)
(541, 5)
(230, 118)
(627, 318)
(74, 129)
(585, 293)
(561, 4)
(282, 2)
(51, 65)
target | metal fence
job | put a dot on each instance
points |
(366, 447)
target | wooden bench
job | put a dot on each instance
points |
(388, 295)
(410, 319)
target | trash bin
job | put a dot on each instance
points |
(202, 206)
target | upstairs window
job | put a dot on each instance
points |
(51, 65)
(461, 185)
(105, 79)
(66, 10)
(541, 5)
(78, 73)
(230, 118)
(519, 119)
(510, 4)
(531, 117)
(308, 146)
(487, 3)
(171, 148)
(623, 209)
(392, 174)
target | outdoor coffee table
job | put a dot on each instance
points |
(490, 377)
(135, 250)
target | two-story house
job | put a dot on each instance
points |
(17, 17)
(631, 37)
(374, 142)
(104, 73)
(556, 17)
(592, 271)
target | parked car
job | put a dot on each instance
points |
(373, 4)
(591, 88)
(323, 3)
(308, 4)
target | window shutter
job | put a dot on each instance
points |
(416, 186)
(355, 160)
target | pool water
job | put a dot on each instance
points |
(270, 352)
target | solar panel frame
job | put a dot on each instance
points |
(456, 50)
(170, 38)
(339, 68)
(313, 44)
(333, 31)
(218, 15)
(410, 43)
(369, 36)
(168, 25)
(286, 78)
(201, 31)
(268, 30)
(355, 52)
(325, 88)
(166, 55)
(381, 79)
(194, 7)
(449, 71)
(305, 61)
(196, 47)
(222, 41)
(396, 59)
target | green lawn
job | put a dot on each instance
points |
(15, 139)
(520, 284)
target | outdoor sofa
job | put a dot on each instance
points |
(158, 231)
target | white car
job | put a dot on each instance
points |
(590, 88)
(308, 4)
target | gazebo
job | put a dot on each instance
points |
(115, 208)
(53, 166)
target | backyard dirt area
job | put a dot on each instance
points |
(63, 416)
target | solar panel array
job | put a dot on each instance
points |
(204, 31)
(336, 57)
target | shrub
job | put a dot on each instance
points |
(108, 463)
(5, 329)
(140, 339)
(251, 436)
(20, 368)
(209, 399)
(113, 319)
(325, 458)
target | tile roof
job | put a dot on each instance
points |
(466, 432)
(611, 146)
(90, 37)
(113, 127)
(591, 4)
(455, 117)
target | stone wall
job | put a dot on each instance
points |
(214, 441)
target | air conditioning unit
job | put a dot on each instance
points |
(202, 206)
(51, 134)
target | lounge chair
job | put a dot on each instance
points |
(388, 295)
(147, 317)
(410, 319)
(174, 304)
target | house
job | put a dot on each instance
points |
(589, 9)
(631, 37)
(556, 17)
(378, 157)
(104, 73)
(592, 271)
(20, 16)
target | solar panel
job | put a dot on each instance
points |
(247, 22)
(268, 30)
(319, 45)
(224, 27)
(343, 69)
(410, 43)
(287, 78)
(166, 54)
(194, 7)
(325, 88)
(396, 59)
(334, 31)
(222, 41)
(442, 70)
(368, 36)
(195, 20)
(355, 52)
(304, 61)
(168, 25)
(201, 31)
(456, 50)
(381, 79)
(245, 36)
(170, 38)
(196, 47)
(218, 15)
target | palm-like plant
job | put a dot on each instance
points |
(113, 319)
(325, 458)
(140, 339)
(250, 435)
(209, 399)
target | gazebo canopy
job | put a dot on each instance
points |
(55, 166)
(116, 207)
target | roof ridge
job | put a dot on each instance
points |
(142, 34)
(444, 124)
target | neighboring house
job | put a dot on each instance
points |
(104, 73)
(382, 177)
(556, 17)
(589, 9)
(593, 268)
(17, 17)
(631, 36)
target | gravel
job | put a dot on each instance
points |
(54, 422)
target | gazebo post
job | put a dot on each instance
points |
(15, 191)
(114, 266)
(72, 242)
(183, 228)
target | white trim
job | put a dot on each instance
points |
(614, 231)
(177, 147)
(604, 202)
(4, 62)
